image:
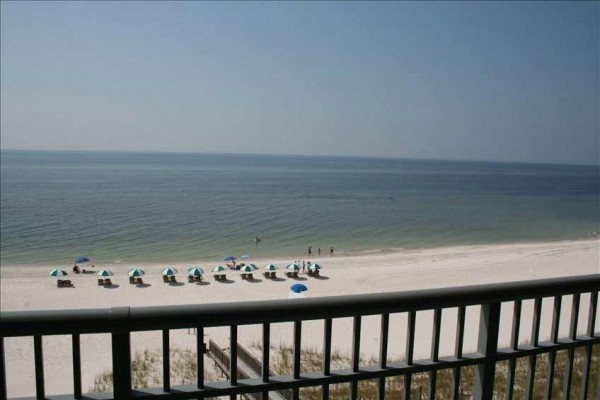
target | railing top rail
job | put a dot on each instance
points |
(56, 322)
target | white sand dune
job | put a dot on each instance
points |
(30, 288)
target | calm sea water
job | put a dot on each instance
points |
(142, 207)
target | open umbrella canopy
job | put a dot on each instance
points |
(58, 272)
(169, 271)
(247, 268)
(219, 268)
(81, 259)
(298, 287)
(229, 258)
(136, 272)
(195, 271)
(314, 267)
(271, 267)
(104, 272)
(252, 265)
(293, 267)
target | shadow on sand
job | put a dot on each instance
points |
(226, 281)
(299, 278)
(202, 283)
(254, 280)
(111, 286)
(176, 283)
(277, 279)
(321, 277)
(143, 285)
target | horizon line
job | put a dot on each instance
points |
(304, 155)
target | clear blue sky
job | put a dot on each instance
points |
(476, 81)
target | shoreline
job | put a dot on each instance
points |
(32, 289)
(344, 254)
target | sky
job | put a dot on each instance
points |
(514, 81)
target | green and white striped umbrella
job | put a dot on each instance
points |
(314, 267)
(293, 267)
(169, 271)
(57, 273)
(271, 267)
(247, 269)
(195, 271)
(104, 272)
(136, 272)
(219, 268)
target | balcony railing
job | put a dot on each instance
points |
(120, 322)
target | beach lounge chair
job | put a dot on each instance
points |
(59, 283)
(191, 278)
(172, 279)
(316, 273)
(165, 279)
(107, 282)
(139, 281)
(295, 274)
(273, 275)
(198, 278)
(309, 272)
(223, 277)
(67, 283)
(132, 280)
(217, 277)
(100, 282)
(267, 274)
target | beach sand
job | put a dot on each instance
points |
(30, 288)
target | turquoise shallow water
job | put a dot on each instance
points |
(136, 207)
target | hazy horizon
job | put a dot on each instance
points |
(499, 82)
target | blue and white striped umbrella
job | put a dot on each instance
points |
(169, 271)
(195, 271)
(104, 272)
(253, 266)
(271, 267)
(136, 272)
(293, 267)
(57, 273)
(219, 268)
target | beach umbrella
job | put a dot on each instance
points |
(104, 272)
(298, 287)
(245, 256)
(81, 259)
(293, 267)
(169, 271)
(229, 258)
(136, 272)
(195, 271)
(219, 268)
(314, 267)
(57, 273)
(252, 265)
(247, 268)
(271, 267)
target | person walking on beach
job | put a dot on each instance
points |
(303, 267)
(309, 250)
(331, 250)
(319, 251)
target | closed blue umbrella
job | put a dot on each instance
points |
(298, 288)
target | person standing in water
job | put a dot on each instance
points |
(309, 250)
(331, 250)
(319, 251)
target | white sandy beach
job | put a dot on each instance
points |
(30, 288)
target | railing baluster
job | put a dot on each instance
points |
(200, 356)
(355, 355)
(297, 353)
(326, 355)
(266, 344)
(549, 383)
(3, 394)
(166, 353)
(121, 353)
(535, 333)
(435, 350)
(233, 370)
(458, 350)
(571, 352)
(587, 360)
(514, 343)
(39, 367)
(410, 346)
(76, 365)
(383, 346)
(489, 323)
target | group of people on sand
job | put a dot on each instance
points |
(319, 251)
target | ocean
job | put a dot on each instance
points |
(118, 207)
